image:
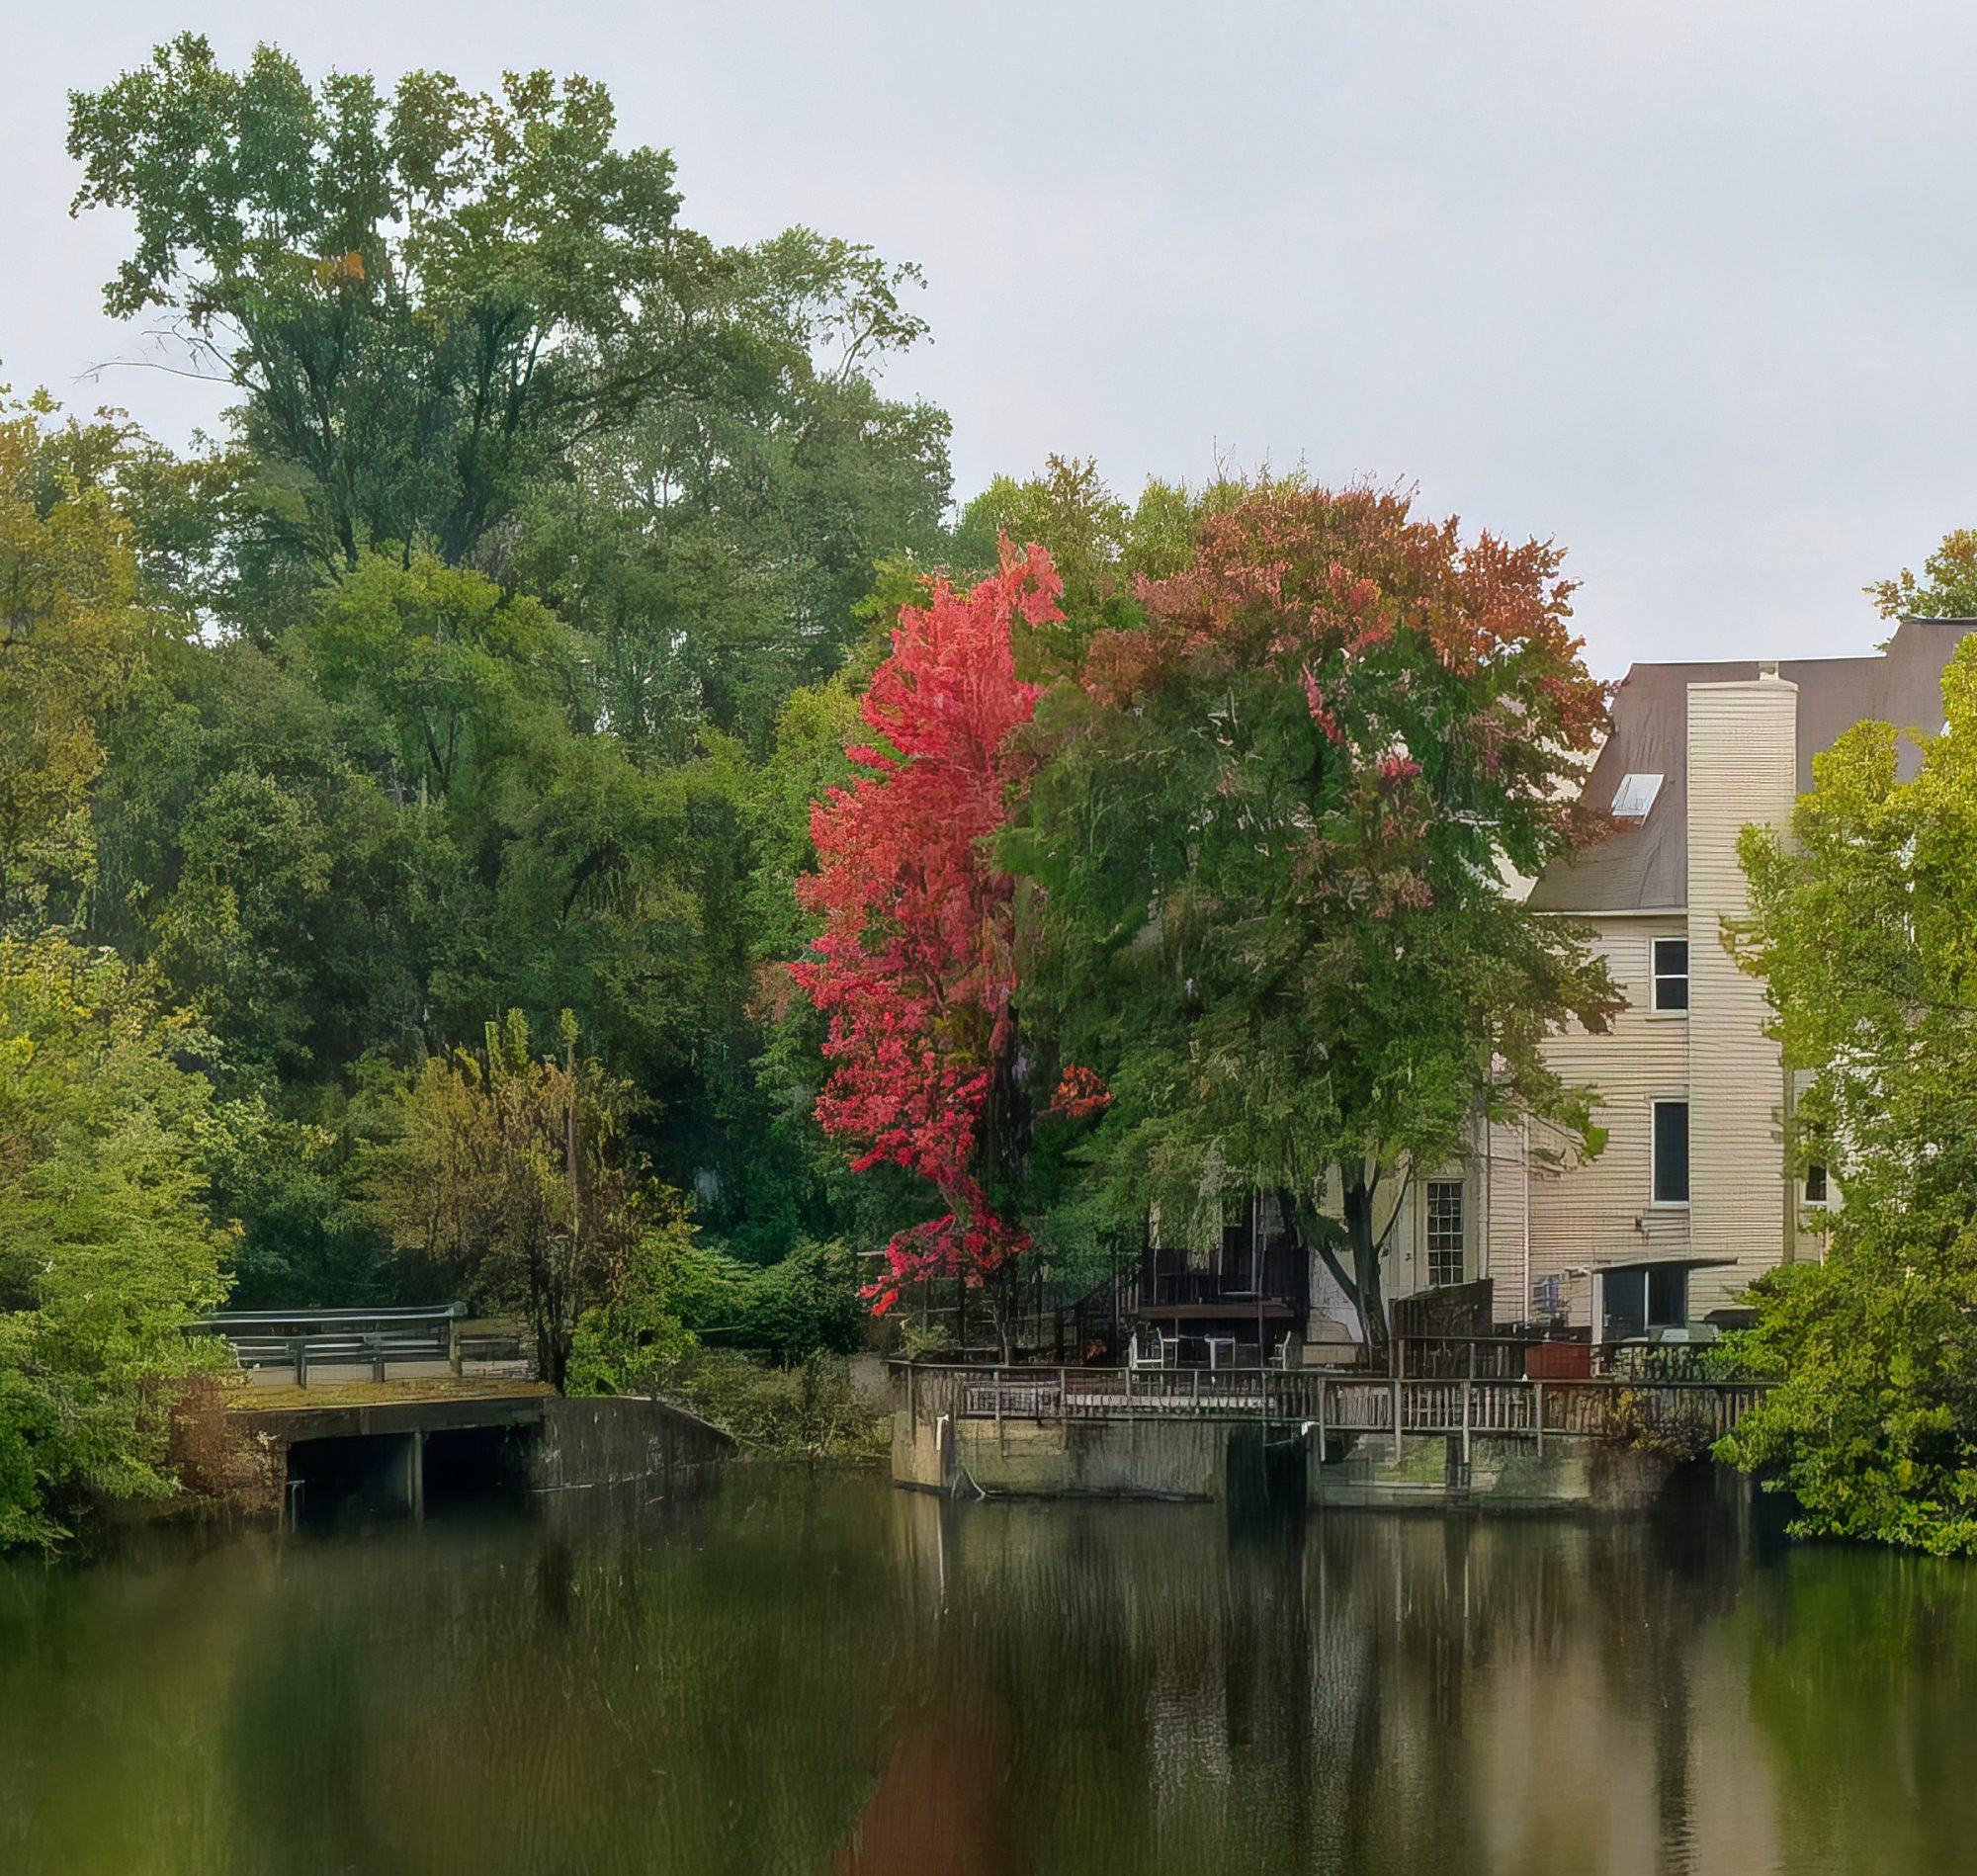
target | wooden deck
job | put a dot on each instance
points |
(1338, 1403)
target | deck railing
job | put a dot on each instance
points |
(1538, 1411)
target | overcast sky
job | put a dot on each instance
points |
(1688, 286)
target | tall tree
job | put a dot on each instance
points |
(1862, 926)
(107, 1247)
(513, 1176)
(431, 298)
(419, 293)
(71, 639)
(915, 962)
(1270, 838)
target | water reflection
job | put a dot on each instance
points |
(820, 1674)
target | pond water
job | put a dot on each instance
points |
(817, 1672)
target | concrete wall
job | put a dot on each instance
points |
(612, 1442)
(1191, 1459)
(1502, 1475)
(1130, 1459)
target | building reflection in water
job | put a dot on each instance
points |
(815, 1673)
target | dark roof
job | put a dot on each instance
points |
(1644, 864)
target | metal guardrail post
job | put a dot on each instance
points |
(302, 1361)
(377, 1358)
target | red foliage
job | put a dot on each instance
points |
(1080, 1095)
(915, 966)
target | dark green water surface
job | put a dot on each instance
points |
(820, 1674)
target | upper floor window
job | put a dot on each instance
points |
(1670, 1148)
(1445, 1232)
(1815, 1185)
(1670, 973)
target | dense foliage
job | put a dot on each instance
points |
(482, 671)
(107, 1245)
(1864, 928)
(916, 961)
(1271, 835)
(565, 637)
(482, 642)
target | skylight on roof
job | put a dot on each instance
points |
(1635, 795)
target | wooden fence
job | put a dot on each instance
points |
(1685, 1411)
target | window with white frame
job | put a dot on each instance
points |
(1670, 959)
(1815, 1185)
(1445, 1232)
(1671, 1153)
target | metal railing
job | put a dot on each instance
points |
(323, 1339)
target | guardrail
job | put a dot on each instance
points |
(285, 1338)
(1339, 1403)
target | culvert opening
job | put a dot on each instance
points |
(351, 1477)
(469, 1465)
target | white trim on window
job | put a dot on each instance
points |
(1667, 968)
(1656, 1181)
(1446, 1214)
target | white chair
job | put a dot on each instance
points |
(1157, 1352)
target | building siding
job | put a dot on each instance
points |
(1600, 1211)
(1743, 760)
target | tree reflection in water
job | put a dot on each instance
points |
(815, 1673)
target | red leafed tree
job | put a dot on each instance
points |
(915, 962)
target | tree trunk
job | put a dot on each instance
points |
(1363, 1243)
(1005, 1300)
(1350, 1251)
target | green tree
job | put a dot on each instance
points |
(432, 300)
(715, 550)
(1947, 588)
(1864, 925)
(107, 1249)
(1101, 545)
(419, 295)
(512, 1175)
(248, 843)
(1268, 841)
(72, 636)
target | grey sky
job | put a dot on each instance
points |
(1687, 285)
